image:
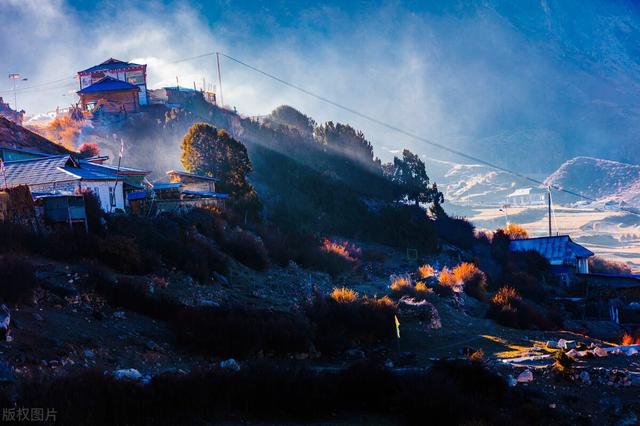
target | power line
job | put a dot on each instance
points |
(407, 133)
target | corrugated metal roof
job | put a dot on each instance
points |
(39, 171)
(110, 64)
(109, 84)
(556, 249)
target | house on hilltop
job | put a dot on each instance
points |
(566, 257)
(128, 72)
(111, 96)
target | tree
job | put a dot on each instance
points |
(410, 176)
(212, 152)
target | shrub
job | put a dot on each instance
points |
(125, 255)
(473, 279)
(598, 264)
(339, 326)
(235, 331)
(456, 230)
(509, 309)
(400, 283)
(426, 271)
(246, 248)
(17, 280)
(515, 231)
(344, 295)
(348, 251)
(421, 287)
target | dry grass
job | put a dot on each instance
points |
(384, 301)
(426, 271)
(344, 295)
(422, 288)
(345, 250)
(515, 231)
(464, 271)
(400, 282)
(447, 278)
(505, 296)
(628, 339)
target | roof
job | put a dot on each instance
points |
(16, 137)
(39, 171)
(180, 89)
(108, 84)
(110, 64)
(557, 249)
(192, 175)
(205, 194)
(524, 191)
(62, 168)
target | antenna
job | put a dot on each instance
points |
(549, 207)
(219, 78)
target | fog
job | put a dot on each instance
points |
(529, 87)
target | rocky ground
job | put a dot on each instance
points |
(72, 328)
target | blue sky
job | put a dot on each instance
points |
(560, 76)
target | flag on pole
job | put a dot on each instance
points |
(397, 325)
(121, 147)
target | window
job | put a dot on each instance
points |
(112, 197)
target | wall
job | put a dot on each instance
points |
(127, 98)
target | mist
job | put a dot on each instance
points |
(527, 87)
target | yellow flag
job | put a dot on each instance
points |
(397, 325)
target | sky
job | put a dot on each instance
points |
(562, 76)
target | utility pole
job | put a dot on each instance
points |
(15, 77)
(219, 78)
(549, 207)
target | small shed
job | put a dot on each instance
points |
(192, 181)
(62, 210)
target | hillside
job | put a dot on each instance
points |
(17, 137)
(600, 179)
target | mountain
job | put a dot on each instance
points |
(603, 180)
(15, 136)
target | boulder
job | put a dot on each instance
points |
(230, 364)
(127, 374)
(525, 377)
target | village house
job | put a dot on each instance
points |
(64, 174)
(178, 190)
(526, 197)
(110, 96)
(133, 74)
(566, 257)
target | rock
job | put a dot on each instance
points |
(88, 353)
(629, 419)
(584, 377)
(567, 344)
(221, 279)
(573, 353)
(230, 364)
(552, 344)
(127, 374)
(5, 321)
(552, 405)
(153, 346)
(388, 363)
(119, 315)
(599, 352)
(525, 377)
(355, 353)
(209, 303)
(511, 381)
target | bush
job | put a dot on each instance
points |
(426, 271)
(240, 332)
(343, 295)
(339, 326)
(598, 264)
(509, 309)
(456, 230)
(473, 279)
(17, 280)
(246, 248)
(125, 255)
